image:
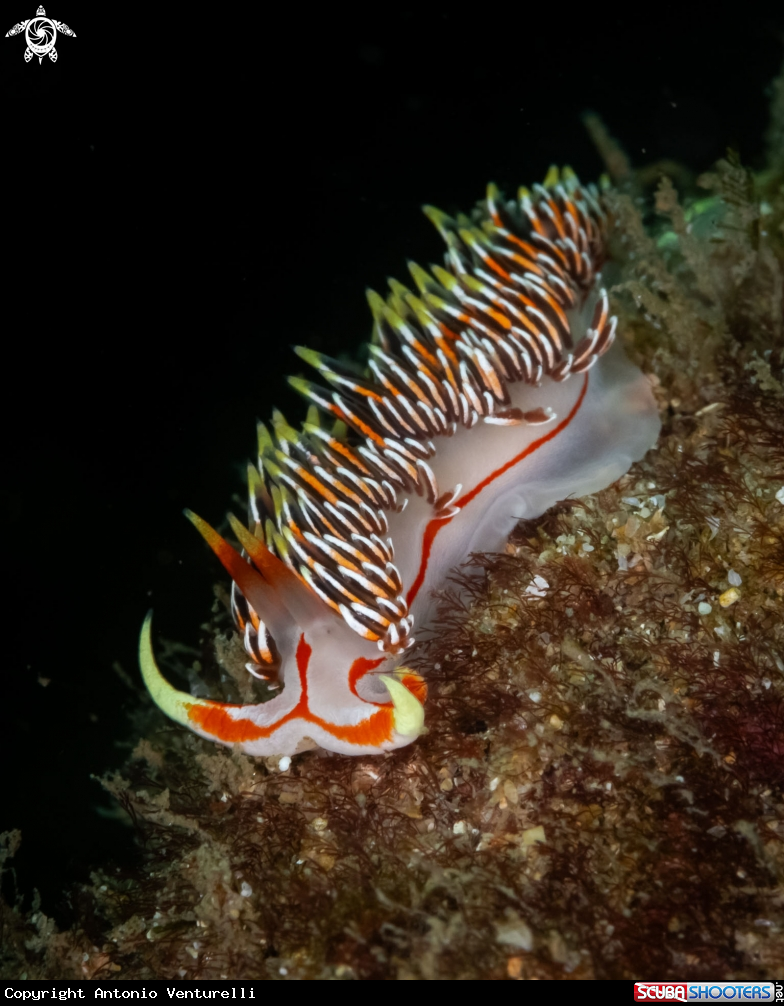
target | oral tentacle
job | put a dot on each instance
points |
(409, 711)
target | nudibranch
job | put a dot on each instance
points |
(491, 391)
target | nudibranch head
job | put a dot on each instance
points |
(339, 693)
(489, 394)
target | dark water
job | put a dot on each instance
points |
(188, 197)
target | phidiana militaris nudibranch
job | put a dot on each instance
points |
(490, 393)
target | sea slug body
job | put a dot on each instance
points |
(491, 392)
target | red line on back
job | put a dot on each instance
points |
(434, 526)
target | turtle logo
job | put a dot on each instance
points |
(41, 34)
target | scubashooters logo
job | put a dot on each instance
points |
(41, 34)
(686, 992)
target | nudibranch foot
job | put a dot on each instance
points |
(493, 389)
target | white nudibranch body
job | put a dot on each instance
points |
(491, 392)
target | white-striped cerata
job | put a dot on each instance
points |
(491, 391)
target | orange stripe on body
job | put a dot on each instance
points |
(432, 529)
(359, 669)
(367, 431)
(415, 683)
(434, 526)
(215, 720)
(491, 263)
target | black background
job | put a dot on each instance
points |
(189, 193)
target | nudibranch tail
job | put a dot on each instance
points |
(492, 390)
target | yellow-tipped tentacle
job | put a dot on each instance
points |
(409, 711)
(166, 697)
